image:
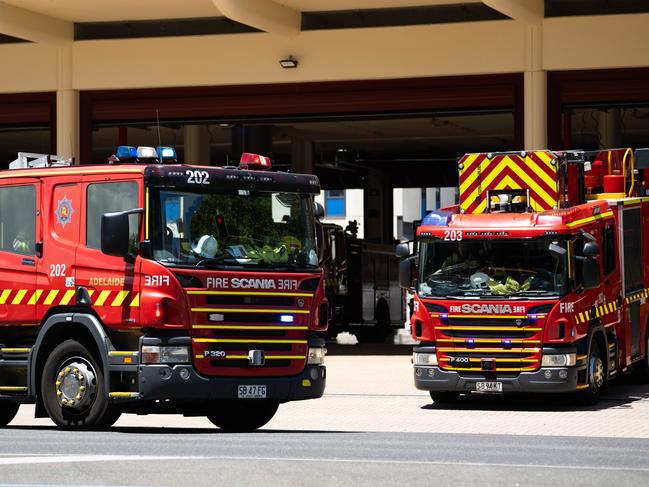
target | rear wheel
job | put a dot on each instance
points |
(8, 411)
(444, 397)
(242, 415)
(596, 375)
(72, 388)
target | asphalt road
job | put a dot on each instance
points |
(371, 428)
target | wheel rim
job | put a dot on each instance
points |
(75, 384)
(596, 372)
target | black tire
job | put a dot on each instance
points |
(242, 415)
(596, 375)
(8, 411)
(94, 411)
(444, 397)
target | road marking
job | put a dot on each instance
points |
(119, 458)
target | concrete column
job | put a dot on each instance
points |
(67, 108)
(609, 128)
(302, 156)
(197, 144)
(257, 139)
(377, 214)
(536, 117)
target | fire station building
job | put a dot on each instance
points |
(376, 97)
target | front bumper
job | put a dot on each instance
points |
(546, 379)
(181, 382)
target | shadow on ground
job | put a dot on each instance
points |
(622, 394)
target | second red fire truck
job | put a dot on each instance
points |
(149, 286)
(538, 280)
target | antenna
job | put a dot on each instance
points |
(157, 117)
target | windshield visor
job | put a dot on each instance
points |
(236, 228)
(511, 267)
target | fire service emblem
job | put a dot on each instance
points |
(64, 211)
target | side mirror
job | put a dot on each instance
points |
(321, 240)
(405, 273)
(319, 211)
(557, 250)
(590, 273)
(591, 249)
(115, 232)
(402, 250)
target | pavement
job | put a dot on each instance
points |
(372, 427)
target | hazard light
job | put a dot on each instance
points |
(254, 161)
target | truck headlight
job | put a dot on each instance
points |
(424, 358)
(559, 360)
(316, 355)
(156, 354)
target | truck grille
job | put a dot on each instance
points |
(227, 326)
(484, 346)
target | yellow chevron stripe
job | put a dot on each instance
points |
(5, 294)
(119, 299)
(19, 296)
(534, 187)
(69, 294)
(51, 296)
(136, 300)
(103, 296)
(35, 296)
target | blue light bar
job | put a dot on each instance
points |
(124, 152)
(437, 219)
(507, 343)
(165, 153)
(286, 318)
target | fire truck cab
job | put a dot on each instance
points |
(538, 280)
(148, 286)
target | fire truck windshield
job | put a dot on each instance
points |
(493, 268)
(254, 229)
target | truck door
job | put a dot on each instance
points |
(61, 217)
(633, 278)
(113, 282)
(19, 229)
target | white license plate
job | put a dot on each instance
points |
(251, 392)
(489, 386)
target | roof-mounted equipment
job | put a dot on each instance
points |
(28, 160)
(254, 161)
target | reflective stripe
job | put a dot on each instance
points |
(103, 296)
(49, 299)
(248, 327)
(19, 296)
(245, 310)
(4, 295)
(248, 293)
(67, 297)
(35, 296)
(236, 340)
(119, 299)
(136, 300)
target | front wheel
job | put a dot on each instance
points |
(8, 411)
(72, 388)
(596, 375)
(242, 415)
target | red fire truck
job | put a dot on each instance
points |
(537, 281)
(148, 286)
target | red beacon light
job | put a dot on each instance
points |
(254, 161)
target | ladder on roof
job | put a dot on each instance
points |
(28, 160)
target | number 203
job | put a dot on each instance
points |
(453, 235)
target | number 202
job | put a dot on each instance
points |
(57, 270)
(453, 235)
(197, 177)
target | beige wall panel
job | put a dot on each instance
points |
(28, 68)
(613, 41)
(435, 50)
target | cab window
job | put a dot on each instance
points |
(107, 198)
(18, 219)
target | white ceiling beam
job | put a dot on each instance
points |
(528, 11)
(35, 27)
(264, 15)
